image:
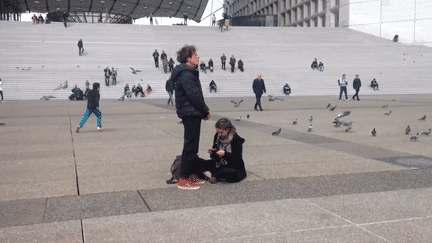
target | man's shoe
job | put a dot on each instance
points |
(77, 130)
(256, 109)
(99, 128)
(358, 99)
(348, 99)
(187, 185)
(340, 100)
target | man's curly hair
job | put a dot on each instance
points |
(185, 53)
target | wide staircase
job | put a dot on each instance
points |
(35, 59)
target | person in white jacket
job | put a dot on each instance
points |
(343, 87)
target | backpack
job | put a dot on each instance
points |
(175, 170)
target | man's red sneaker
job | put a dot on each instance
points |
(187, 185)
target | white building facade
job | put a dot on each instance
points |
(410, 19)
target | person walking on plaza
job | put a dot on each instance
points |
(80, 47)
(1, 90)
(156, 58)
(169, 87)
(107, 72)
(191, 108)
(223, 60)
(343, 87)
(92, 108)
(258, 88)
(356, 86)
(171, 64)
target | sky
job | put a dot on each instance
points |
(212, 5)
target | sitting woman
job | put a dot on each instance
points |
(287, 89)
(321, 67)
(374, 84)
(226, 164)
(314, 64)
(213, 86)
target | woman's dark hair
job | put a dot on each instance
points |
(225, 124)
(185, 53)
(96, 85)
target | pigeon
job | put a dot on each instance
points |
(247, 116)
(407, 130)
(59, 87)
(17, 67)
(236, 104)
(310, 128)
(387, 113)
(42, 66)
(423, 118)
(77, 66)
(414, 137)
(271, 98)
(333, 108)
(2, 124)
(328, 105)
(135, 71)
(47, 97)
(28, 69)
(385, 106)
(348, 128)
(374, 132)
(65, 85)
(343, 114)
(427, 132)
(238, 119)
(295, 122)
(310, 118)
(276, 133)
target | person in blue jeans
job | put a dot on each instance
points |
(92, 107)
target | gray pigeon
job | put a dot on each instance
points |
(427, 132)
(407, 130)
(423, 118)
(348, 128)
(271, 98)
(374, 132)
(387, 113)
(276, 133)
(295, 122)
(2, 124)
(385, 106)
(65, 85)
(333, 108)
(238, 119)
(247, 116)
(414, 137)
(328, 105)
(310, 118)
(343, 114)
(310, 128)
(236, 104)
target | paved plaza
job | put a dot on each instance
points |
(327, 185)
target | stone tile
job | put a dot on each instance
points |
(220, 222)
(69, 231)
(95, 205)
(378, 207)
(21, 212)
(404, 230)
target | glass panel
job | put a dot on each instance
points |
(364, 13)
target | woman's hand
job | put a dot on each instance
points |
(220, 152)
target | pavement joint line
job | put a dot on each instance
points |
(346, 220)
(396, 220)
(82, 230)
(73, 152)
(139, 193)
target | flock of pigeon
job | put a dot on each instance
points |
(338, 122)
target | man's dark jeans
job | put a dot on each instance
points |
(356, 93)
(190, 161)
(258, 101)
(156, 62)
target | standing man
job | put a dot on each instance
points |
(107, 75)
(191, 108)
(232, 63)
(156, 58)
(223, 60)
(80, 47)
(185, 17)
(258, 87)
(343, 87)
(213, 20)
(1, 90)
(356, 86)
(151, 19)
(114, 76)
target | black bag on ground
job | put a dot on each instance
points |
(175, 170)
